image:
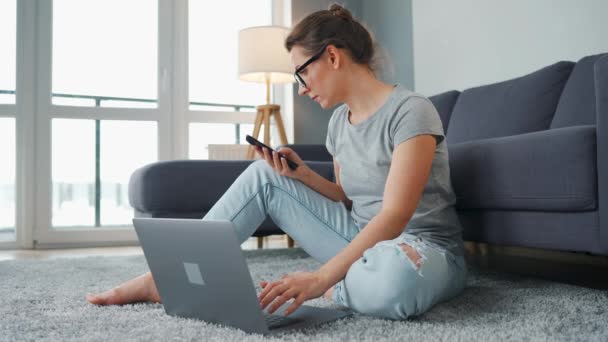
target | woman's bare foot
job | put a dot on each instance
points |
(140, 289)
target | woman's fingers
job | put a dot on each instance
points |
(284, 163)
(258, 152)
(280, 300)
(296, 304)
(267, 156)
(272, 294)
(276, 161)
(269, 287)
(272, 158)
(266, 288)
(291, 154)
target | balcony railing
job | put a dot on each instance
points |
(99, 99)
(98, 103)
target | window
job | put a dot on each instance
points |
(92, 163)
(104, 87)
(213, 72)
(105, 53)
(8, 38)
(126, 146)
(8, 42)
(212, 42)
(7, 179)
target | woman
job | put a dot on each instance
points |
(386, 230)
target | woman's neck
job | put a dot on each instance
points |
(365, 95)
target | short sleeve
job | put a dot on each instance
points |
(329, 144)
(417, 116)
(331, 131)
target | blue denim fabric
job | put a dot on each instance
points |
(384, 282)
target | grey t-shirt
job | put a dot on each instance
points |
(364, 153)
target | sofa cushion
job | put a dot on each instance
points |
(522, 105)
(312, 152)
(444, 103)
(577, 103)
(551, 170)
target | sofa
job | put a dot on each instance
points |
(528, 162)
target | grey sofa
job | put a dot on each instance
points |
(528, 160)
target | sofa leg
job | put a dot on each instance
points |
(290, 242)
(260, 242)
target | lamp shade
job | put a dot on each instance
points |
(262, 55)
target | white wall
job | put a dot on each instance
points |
(390, 21)
(310, 120)
(466, 43)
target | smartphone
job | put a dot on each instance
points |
(253, 141)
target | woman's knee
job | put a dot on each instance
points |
(259, 165)
(383, 284)
(260, 169)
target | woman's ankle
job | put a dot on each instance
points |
(151, 290)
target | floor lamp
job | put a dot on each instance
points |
(264, 59)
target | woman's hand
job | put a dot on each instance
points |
(301, 286)
(280, 164)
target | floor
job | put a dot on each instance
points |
(275, 241)
(571, 268)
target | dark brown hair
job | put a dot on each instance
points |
(334, 26)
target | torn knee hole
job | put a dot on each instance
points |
(412, 253)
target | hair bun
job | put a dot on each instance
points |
(340, 11)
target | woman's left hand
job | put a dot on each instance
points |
(301, 286)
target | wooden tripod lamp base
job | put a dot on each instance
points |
(263, 117)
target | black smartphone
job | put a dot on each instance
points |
(255, 142)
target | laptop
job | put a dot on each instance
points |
(200, 272)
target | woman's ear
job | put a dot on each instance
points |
(335, 56)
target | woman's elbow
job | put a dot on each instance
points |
(397, 220)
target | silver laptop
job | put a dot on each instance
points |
(200, 272)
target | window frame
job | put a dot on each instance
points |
(12, 111)
(34, 111)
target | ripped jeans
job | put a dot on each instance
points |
(384, 282)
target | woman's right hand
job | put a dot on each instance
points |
(280, 164)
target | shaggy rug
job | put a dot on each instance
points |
(44, 301)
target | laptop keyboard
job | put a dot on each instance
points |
(275, 321)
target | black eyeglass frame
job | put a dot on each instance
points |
(297, 75)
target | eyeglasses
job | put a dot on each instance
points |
(297, 75)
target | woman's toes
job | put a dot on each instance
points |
(93, 299)
(110, 297)
(139, 289)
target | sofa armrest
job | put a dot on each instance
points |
(601, 98)
(551, 170)
(190, 186)
(316, 152)
(444, 103)
(182, 185)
